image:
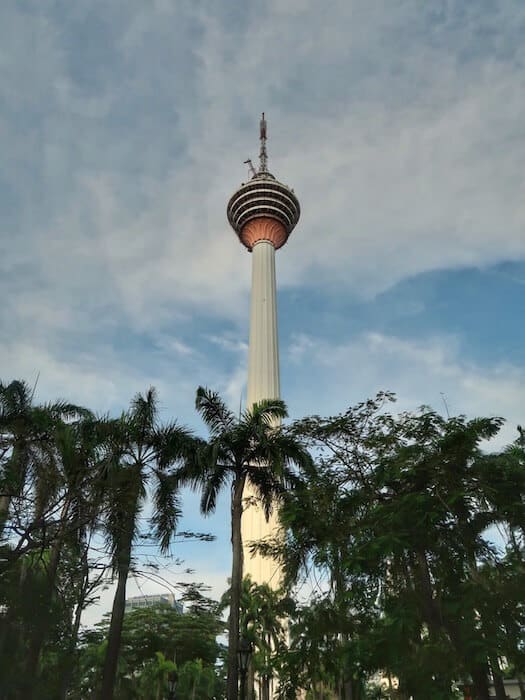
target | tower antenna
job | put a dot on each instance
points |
(263, 157)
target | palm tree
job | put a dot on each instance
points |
(32, 489)
(250, 449)
(26, 447)
(141, 451)
(70, 475)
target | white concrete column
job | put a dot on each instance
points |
(263, 354)
(263, 383)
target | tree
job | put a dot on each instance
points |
(251, 448)
(153, 638)
(36, 518)
(263, 611)
(78, 450)
(140, 454)
(396, 515)
(263, 614)
(26, 445)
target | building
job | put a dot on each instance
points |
(263, 212)
(512, 689)
(146, 601)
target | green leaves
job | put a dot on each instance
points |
(216, 415)
(396, 516)
(152, 639)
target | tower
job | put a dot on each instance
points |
(263, 212)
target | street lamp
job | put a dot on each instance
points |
(244, 652)
(172, 684)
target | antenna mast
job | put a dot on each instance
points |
(263, 157)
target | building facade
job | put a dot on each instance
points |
(147, 601)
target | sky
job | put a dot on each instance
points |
(399, 124)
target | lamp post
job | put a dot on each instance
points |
(244, 652)
(172, 684)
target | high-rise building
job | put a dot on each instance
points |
(263, 212)
(147, 601)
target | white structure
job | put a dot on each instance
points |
(512, 689)
(263, 353)
(146, 601)
(263, 212)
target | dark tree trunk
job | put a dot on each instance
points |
(236, 583)
(352, 690)
(497, 679)
(250, 682)
(115, 627)
(478, 671)
(480, 682)
(425, 587)
(5, 502)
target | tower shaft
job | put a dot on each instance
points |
(263, 353)
(263, 383)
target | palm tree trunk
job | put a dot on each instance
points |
(39, 636)
(115, 627)
(83, 588)
(236, 583)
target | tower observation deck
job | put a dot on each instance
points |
(263, 206)
(263, 212)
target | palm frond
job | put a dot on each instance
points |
(124, 494)
(14, 397)
(194, 468)
(267, 486)
(212, 488)
(268, 412)
(214, 411)
(167, 509)
(172, 443)
(143, 411)
(64, 410)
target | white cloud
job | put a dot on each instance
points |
(84, 380)
(426, 371)
(400, 128)
(228, 343)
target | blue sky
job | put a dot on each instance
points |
(123, 131)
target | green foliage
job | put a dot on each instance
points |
(154, 641)
(396, 517)
(413, 528)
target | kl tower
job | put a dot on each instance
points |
(263, 212)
